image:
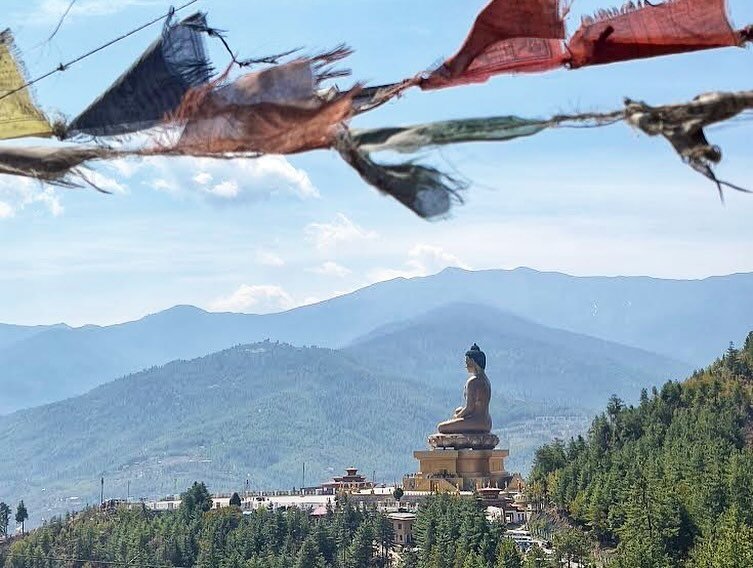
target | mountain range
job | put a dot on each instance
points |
(258, 411)
(185, 394)
(687, 321)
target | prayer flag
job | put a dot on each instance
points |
(641, 30)
(154, 86)
(273, 111)
(507, 36)
(19, 117)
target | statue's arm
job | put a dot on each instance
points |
(471, 398)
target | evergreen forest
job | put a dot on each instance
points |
(669, 482)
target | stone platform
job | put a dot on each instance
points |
(469, 441)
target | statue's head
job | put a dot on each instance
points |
(476, 357)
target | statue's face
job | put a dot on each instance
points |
(470, 364)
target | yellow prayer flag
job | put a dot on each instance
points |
(19, 117)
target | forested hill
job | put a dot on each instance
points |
(251, 412)
(670, 482)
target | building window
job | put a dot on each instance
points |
(401, 538)
(399, 526)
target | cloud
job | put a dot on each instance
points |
(260, 299)
(267, 258)
(330, 268)
(6, 210)
(342, 230)
(48, 11)
(422, 260)
(18, 194)
(220, 181)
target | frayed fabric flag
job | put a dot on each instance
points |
(414, 138)
(19, 116)
(507, 36)
(640, 30)
(511, 36)
(274, 111)
(53, 165)
(425, 190)
(154, 86)
(683, 127)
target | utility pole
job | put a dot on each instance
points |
(102, 491)
(303, 478)
(128, 491)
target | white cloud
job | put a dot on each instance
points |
(331, 268)
(342, 230)
(48, 11)
(221, 181)
(203, 178)
(263, 298)
(268, 258)
(227, 189)
(19, 193)
(5, 210)
(422, 260)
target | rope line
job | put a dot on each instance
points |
(64, 66)
(60, 21)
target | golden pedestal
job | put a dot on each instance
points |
(458, 470)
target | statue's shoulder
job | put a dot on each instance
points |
(472, 379)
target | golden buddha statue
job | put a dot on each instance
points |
(473, 417)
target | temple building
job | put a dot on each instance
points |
(350, 482)
(463, 454)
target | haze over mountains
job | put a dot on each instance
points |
(526, 361)
(686, 321)
(257, 410)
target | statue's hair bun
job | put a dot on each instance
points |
(477, 356)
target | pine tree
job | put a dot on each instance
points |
(196, 499)
(535, 558)
(308, 554)
(360, 551)
(21, 515)
(729, 547)
(474, 561)
(235, 500)
(4, 519)
(508, 555)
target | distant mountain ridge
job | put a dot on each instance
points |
(685, 320)
(528, 361)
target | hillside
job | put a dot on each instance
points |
(527, 361)
(251, 412)
(668, 481)
(670, 317)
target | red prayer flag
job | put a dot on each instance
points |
(507, 36)
(644, 30)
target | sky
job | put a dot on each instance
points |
(270, 234)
